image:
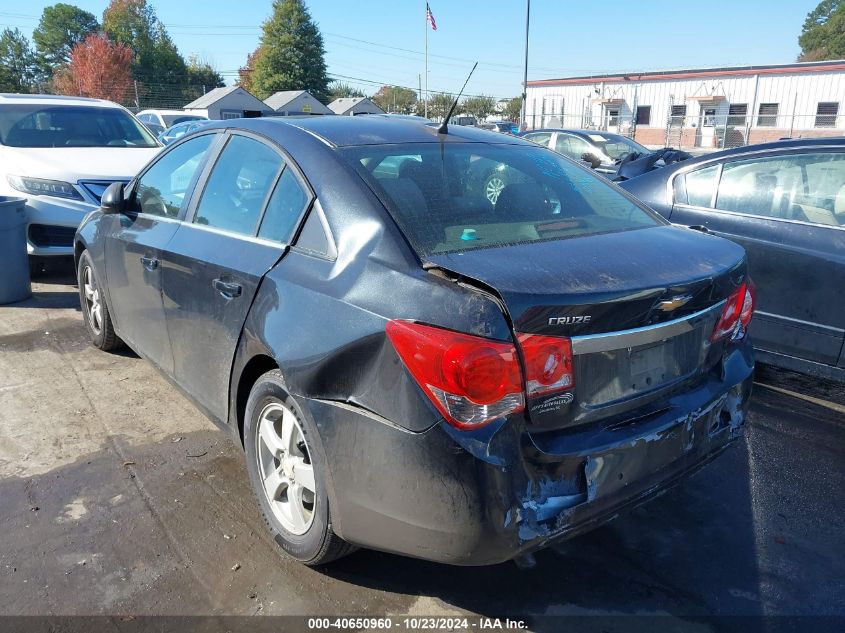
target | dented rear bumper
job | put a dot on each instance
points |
(500, 492)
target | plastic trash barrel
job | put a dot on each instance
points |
(14, 263)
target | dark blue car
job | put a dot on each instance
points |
(411, 367)
(785, 203)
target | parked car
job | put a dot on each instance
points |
(605, 148)
(167, 118)
(410, 370)
(785, 203)
(61, 153)
(180, 129)
(505, 127)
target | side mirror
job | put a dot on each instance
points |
(112, 200)
(594, 160)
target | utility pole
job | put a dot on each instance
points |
(426, 61)
(522, 122)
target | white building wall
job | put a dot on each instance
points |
(797, 95)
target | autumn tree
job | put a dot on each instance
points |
(62, 26)
(396, 99)
(823, 34)
(18, 67)
(480, 107)
(291, 54)
(245, 72)
(98, 68)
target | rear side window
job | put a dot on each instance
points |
(238, 186)
(163, 187)
(284, 209)
(700, 186)
(460, 196)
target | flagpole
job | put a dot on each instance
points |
(426, 61)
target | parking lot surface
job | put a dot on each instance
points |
(119, 497)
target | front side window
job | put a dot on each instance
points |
(443, 204)
(238, 186)
(700, 186)
(572, 146)
(163, 189)
(805, 187)
(45, 125)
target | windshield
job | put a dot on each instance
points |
(617, 147)
(173, 119)
(44, 125)
(457, 196)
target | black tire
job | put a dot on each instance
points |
(319, 544)
(104, 336)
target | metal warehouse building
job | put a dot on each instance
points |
(707, 107)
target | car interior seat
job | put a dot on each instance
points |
(522, 201)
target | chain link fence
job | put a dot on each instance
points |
(142, 95)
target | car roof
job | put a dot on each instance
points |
(795, 143)
(157, 111)
(10, 98)
(581, 133)
(343, 131)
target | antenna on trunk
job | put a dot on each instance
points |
(444, 127)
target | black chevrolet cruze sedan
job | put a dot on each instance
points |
(411, 367)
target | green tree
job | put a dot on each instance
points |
(18, 64)
(291, 54)
(396, 99)
(438, 106)
(62, 26)
(339, 90)
(513, 109)
(480, 107)
(201, 78)
(245, 72)
(135, 24)
(823, 34)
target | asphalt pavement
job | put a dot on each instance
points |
(118, 497)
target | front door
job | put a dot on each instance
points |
(707, 128)
(213, 266)
(788, 211)
(134, 245)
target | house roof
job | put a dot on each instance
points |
(344, 104)
(211, 97)
(699, 73)
(283, 97)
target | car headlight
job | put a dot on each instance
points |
(42, 187)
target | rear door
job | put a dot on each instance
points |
(788, 211)
(243, 216)
(134, 244)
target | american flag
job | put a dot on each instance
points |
(430, 17)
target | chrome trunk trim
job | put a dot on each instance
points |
(608, 341)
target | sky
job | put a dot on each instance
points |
(373, 43)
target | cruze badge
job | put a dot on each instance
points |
(570, 320)
(674, 303)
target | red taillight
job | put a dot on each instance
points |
(548, 363)
(737, 312)
(471, 380)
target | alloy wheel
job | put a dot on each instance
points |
(494, 188)
(93, 303)
(285, 468)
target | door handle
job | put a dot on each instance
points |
(228, 289)
(150, 263)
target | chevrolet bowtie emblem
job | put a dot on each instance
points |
(674, 303)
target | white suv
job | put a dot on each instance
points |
(60, 153)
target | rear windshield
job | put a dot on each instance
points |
(173, 119)
(39, 125)
(457, 196)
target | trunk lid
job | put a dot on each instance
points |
(639, 306)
